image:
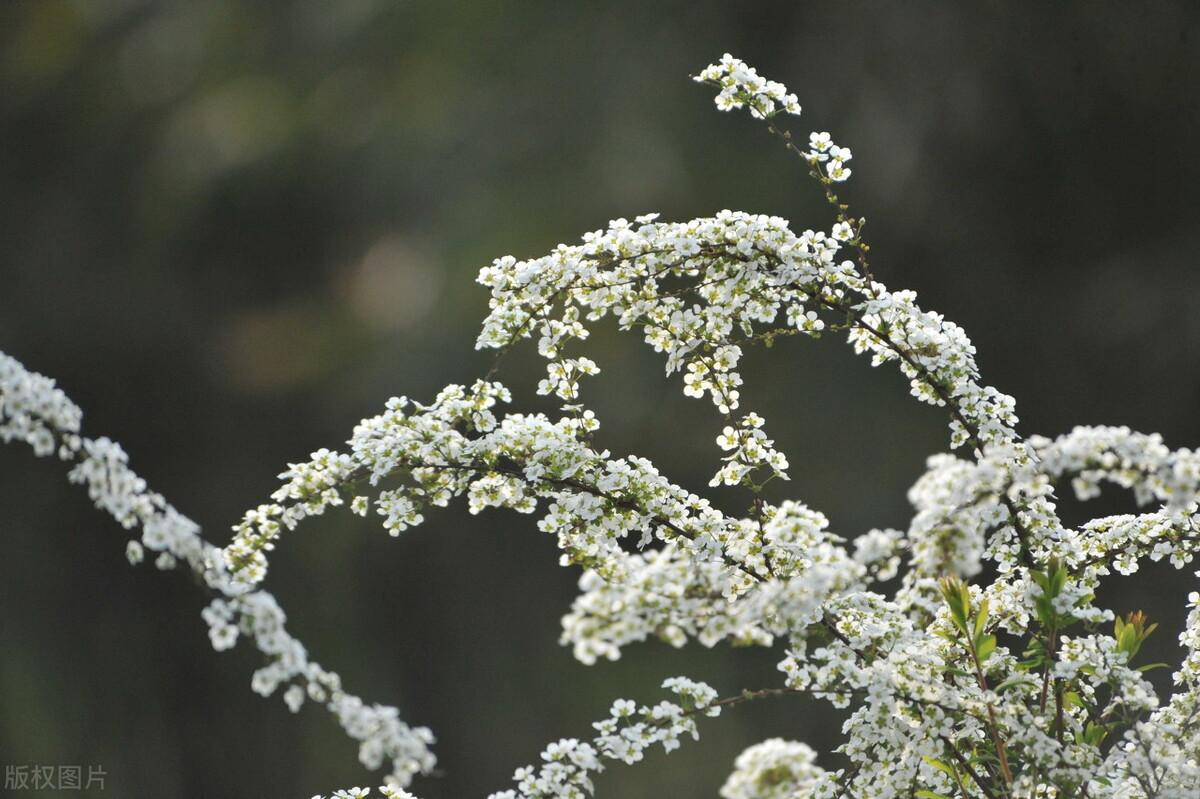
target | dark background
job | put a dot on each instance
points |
(232, 229)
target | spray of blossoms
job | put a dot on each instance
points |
(1018, 685)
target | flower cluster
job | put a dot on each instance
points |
(36, 412)
(741, 87)
(568, 765)
(385, 791)
(773, 769)
(1019, 685)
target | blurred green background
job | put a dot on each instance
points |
(232, 229)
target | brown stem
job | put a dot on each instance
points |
(1001, 750)
(963, 762)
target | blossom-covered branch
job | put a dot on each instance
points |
(1020, 685)
(33, 410)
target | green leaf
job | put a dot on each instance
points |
(984, 646)
(1131, 631)
(1094, 733)
(1045, 610)
(958, 599)
(1013, 682)
(981, 617)
(940, 766)
(1072, 699)
(1059, 577)
(925, 793)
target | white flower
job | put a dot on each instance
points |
(134, 553)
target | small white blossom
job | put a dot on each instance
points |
(134, 553)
